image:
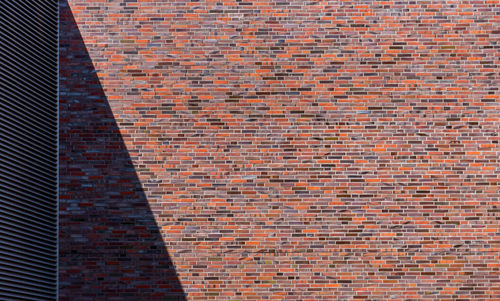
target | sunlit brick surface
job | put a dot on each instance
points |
(307, 150)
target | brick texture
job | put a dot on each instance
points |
(281, 150)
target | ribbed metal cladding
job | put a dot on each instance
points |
(28, 149)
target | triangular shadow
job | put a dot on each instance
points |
(110, 245)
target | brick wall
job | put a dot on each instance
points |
(280, 150)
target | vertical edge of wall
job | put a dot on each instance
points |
(29, 150)
(57, 152)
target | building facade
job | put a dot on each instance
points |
(278, 150)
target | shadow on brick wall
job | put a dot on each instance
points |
(110, 245)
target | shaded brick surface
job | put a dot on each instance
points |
(110, 244)
(305, 150)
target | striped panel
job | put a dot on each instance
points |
(28, 150)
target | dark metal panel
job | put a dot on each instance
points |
(28, 149)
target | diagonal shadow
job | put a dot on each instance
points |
(110, 246)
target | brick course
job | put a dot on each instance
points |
(289, 150)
